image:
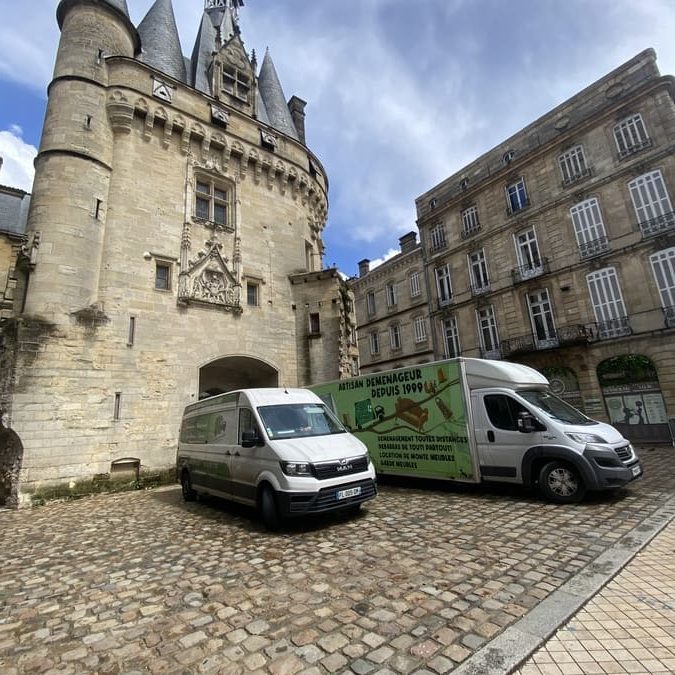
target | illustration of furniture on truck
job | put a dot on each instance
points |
(412, 413)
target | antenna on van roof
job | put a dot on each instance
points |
(285, 389)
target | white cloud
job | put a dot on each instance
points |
(387, 256)
(17, 155)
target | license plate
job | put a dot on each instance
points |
(345, 494)
(637, 470)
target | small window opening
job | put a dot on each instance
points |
(118, 405)
(99, 205)
(163, 276)
(314, 323)
(252, 295)
(99, 56)
(132, 331)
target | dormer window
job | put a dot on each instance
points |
(236, 82)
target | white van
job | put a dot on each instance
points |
(280, 450)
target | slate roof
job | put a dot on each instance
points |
(160, 41)
(13, 210)
(273, 96)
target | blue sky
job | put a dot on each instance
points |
(400, 94)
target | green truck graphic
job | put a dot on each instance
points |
(413, 420)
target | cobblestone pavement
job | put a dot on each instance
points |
(141, 582)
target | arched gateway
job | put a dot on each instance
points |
(235, 372)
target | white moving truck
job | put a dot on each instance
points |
(280, 450)
(476, 420)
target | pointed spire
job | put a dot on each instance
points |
(205, 45)
(119, 5)
(160, 41)
(273, 97)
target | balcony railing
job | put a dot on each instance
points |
(662, 223)
(525, 272)
(592, 248)
(576, 177)
(479, 289)
(669, 316)
(606, 330)
(636, 147)
(562, 337)
(517, 208)
(495, 353)
(442, 304)
(470, 231)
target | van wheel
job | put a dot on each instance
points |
(189, 495)
(269, 510)
(561, 483)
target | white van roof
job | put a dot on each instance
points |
(483, 373)
(279, 396)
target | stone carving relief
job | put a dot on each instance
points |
(209, 280)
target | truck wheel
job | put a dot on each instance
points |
(269, 510)
(189, 495)
(561, 483)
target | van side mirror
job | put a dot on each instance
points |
(250, 438)
(528, 424)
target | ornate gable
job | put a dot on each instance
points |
(233, 76)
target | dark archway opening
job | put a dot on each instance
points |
(11, 458)
(235, 372)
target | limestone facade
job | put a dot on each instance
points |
(173, 243)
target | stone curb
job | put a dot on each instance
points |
(511, 648)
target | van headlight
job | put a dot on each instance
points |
(297, 468)
(586, 438)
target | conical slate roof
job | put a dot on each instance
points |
(160, 41)
(119, 5)
(273, 97)
(205, 45)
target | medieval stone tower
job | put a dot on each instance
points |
(174, 246)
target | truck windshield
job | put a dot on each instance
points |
(295, 420)
(556, 408)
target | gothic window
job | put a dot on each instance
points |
(236, 82)
(212, 201)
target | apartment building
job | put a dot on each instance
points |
(556, 249)
(392, 311)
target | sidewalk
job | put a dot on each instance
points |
(616, 616)
(629, 627)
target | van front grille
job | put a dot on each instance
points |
(345, 468)
(327, 498)
(625, 453)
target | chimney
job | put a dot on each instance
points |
(408, 242)
(364, 267)
(297, 107)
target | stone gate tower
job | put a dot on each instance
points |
(174, 246)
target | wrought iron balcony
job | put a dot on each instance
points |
(564, 336)
(636, 147)
(525, 272)
(470, 231)
(495, 353)
(663, 223)
(443, 304)
(669, 316)
(606, 330)
(482, 289)
(575, 178)
(592, 248)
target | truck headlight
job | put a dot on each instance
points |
(297, 468)
(586, 438)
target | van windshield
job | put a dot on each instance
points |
(556, 408)
(295, 420)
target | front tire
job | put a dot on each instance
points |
(269, 511)
(561, 483)
(189, 495)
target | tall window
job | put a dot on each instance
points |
(663, 266)
(420, 324)
(395, 336)
(516, 196)
(608, 306)
(541, 315)
(415, 288)
(391, 294)
(437, 237)
(443, 285)
(652, 203)
(236, 82)
(589, 228)
(487, 331)
(527, 250)
(314, 323)
(470, 222)
(370, 303)
(573, 165)
(374, 344)
(630, 135)
(252, 295)
(211, 202)
(478, 272)
(163, 276)
(450, 337)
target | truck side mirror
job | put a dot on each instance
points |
(526, 423)
(250, 438)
